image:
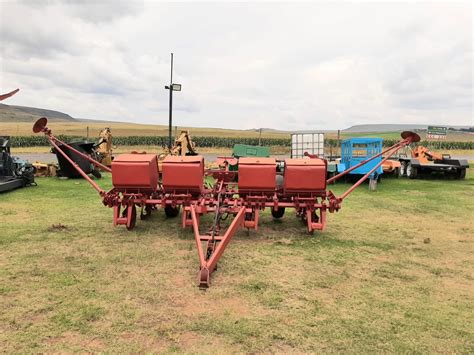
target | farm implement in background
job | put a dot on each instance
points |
(14, 172)
(425, 162)
(298, 184)
(101, 151)
(183, 146)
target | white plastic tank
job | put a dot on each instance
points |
(310, 142)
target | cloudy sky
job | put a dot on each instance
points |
(319, 65)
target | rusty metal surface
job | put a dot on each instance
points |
(7, 95)
(40, 125)
(411, 136)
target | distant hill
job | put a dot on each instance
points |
(269, 130)
(11, 113)
(366, 128)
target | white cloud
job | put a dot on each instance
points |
(243, 65)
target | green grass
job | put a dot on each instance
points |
(369, 283)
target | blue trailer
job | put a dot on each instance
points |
(355, 150)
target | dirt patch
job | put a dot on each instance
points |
(192, 341)
(58, 228)
(146, 342)
(205, 305)
(72, 340)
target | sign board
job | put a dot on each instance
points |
(436, 132)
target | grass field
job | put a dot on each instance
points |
(130, 129)
(393, 272)
(126, 129)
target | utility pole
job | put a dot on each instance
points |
(339, 142)
(172, 87)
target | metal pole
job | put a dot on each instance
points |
(171, 104)
(171, 118)
(362, 179)
(338, 144)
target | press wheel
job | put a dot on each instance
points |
(145, 212)
(133, 218)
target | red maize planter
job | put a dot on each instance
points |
(262, 183)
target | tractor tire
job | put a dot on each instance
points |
(461, 174)
(96, 173)
(171, 211)
(278, 213)
(403, 169)
(412, 171)
(396, 173)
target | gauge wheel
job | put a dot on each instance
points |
(146, 212)
(278, 213)
(171, 211)
(133, 219)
